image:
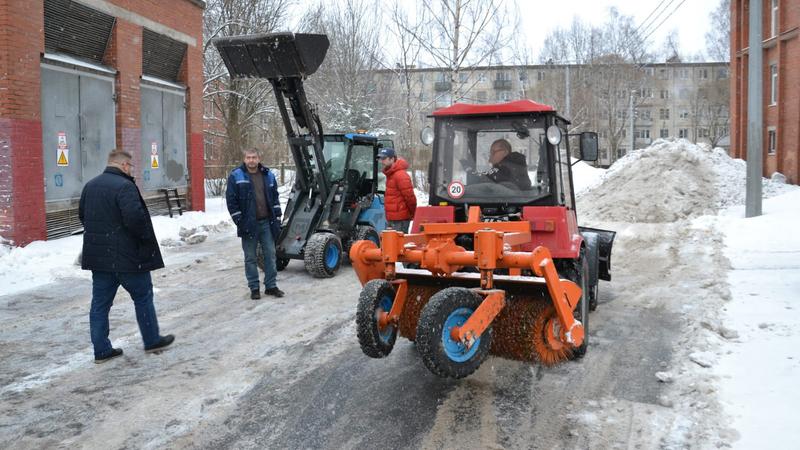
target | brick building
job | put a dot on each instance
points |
(81, 77)
(781, 77)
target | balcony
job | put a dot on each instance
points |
(442, 86)
(502, 84)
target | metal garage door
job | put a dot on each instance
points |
(163, 138)
(78, 129)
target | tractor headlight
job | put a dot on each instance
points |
(554, 134)
(426, 135)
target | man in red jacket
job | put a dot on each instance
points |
(400, 202)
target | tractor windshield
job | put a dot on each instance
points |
(491, 160)
(335, 154)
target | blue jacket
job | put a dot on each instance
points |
(118, 234)
(241, 201)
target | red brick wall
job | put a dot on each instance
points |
(22, 205)
(21, 166)
(783, 49)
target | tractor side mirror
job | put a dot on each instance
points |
(426, 135)
(588, 146)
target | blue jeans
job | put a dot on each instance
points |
(249, 245)
(104, 288)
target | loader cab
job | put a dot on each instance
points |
(350, 161)
(502, 157)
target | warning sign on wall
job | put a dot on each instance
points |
(154, 148)
(63, 157)
(62, 153)
(154, 161)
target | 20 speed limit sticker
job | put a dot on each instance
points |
(455, 189)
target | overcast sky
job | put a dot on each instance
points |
(539, 17)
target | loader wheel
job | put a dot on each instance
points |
(281, 263)
(323, 255)
(376, 297)
(443, 355)
(367, 233)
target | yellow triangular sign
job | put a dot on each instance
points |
(154, 162)
(62, 159)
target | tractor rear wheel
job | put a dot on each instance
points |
(323, 255)
(377, 297)
(443, 355)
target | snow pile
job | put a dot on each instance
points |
(669, 181)
(42, 262)
(585, 177)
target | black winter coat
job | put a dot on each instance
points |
(118, 234)
(512, 169)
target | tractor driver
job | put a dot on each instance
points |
(508, 166)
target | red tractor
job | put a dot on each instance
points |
(497, 263)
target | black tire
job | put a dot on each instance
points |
(578, 272)
(452, 305)
(368, 233)
(281, 263)
(595, 295)
(323, 255)
(377, 295)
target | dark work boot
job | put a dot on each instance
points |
(114, 353)
(162, 343)
(255, 294)
(274, 291)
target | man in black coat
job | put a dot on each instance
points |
(120, 248)
(508, 166)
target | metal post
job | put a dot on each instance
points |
(283, 174)
(755, 98)
(567, 109)
(630, 120)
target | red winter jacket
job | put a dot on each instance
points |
(400, 202)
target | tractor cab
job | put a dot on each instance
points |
(502, 157)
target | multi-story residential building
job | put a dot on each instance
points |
(780, 106)
(675, 99)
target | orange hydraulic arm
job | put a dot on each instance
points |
(435, 249)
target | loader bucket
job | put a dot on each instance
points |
(272, 55)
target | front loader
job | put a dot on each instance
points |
(335, 199)
(497, 263)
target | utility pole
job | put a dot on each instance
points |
(755, 119)
(630, 120)
(566, 109)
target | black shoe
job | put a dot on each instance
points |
(163, 342)
(114, 353)
(255, 294)
(274, 291)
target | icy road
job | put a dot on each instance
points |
(289, 373)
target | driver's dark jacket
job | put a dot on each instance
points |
(513, 169)
(241, 201)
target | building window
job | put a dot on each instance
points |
(702, 132)
(684, 74)
(523, 76)
(663, 113)
(664, 94)
(772, 136)
(463, 77)
(663, 74)
(622, 151)
(664, 133)
(644, 114)
(504, 96)
(541, 75)
(481, 77)
(620, 114)
(649, 71)
(646, 93)
(722, 73)
(702, 74)
(774, 19)
(502, 76)
(773, 87)
(481, 96)
(642, 134)
(683, 133)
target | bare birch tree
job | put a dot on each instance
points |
(718, 38)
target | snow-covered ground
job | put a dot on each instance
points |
(686, 262)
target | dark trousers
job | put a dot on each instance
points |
(250, 245)
(399, 225)
(104, 288)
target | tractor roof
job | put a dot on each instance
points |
(516, 107)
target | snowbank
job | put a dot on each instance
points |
(43, 262)
(669, 181)
(585, 177)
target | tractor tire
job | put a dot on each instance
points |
(578, 272)
(595, 295)
(323, 255)
(442, 355)
(281, 263)
(367, 233)
(377, 296)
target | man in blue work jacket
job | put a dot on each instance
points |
(252, 198)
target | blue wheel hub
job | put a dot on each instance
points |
(456, 350)
(385, 304)
(331, 256)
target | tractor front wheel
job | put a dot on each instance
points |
(376, 298)
(323, 255)
(443, 355)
